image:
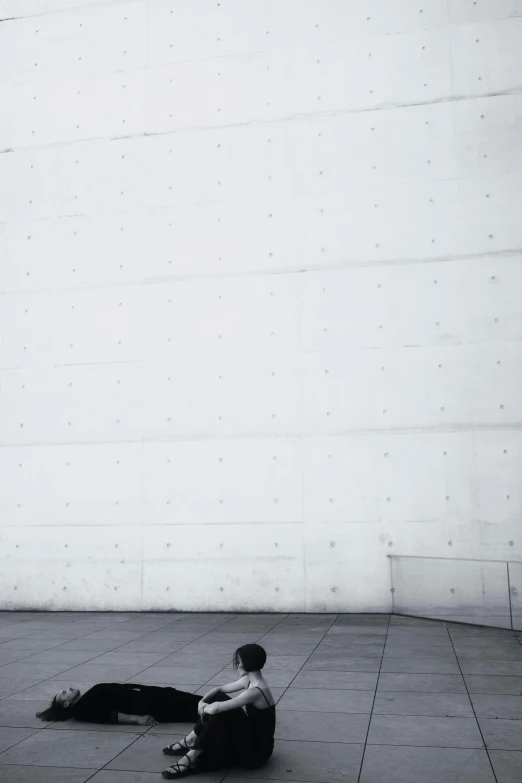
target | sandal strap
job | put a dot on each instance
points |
(182, 743)
(178, 767)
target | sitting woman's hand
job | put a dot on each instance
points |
(201, 707)
(210, 709)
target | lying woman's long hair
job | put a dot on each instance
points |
(54, 712)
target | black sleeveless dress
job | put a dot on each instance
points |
(235, 738)
(263, 722)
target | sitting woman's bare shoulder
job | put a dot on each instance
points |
(263, 696)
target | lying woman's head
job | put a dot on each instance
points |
(250, 658)
(60, 708)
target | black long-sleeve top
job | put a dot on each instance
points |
(103, 702)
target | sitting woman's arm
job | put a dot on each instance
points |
(231, 687)
(247, 697)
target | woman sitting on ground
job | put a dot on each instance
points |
(142, 705)
(227, 735)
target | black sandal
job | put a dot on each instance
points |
(169, 750)
(179, 770)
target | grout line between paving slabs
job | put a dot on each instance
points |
(373, 703)
(473, 708)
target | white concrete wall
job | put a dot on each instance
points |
(261, 298)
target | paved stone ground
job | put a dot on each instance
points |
(361, 698)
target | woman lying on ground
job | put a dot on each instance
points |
(143, 705)
(227, 735)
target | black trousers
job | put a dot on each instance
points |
(168, 705)
(225, 738)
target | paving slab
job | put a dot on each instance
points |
(149, 644)
(410, 650)
(28, 643)
(353, 649)
(354, 681)
(82, 749)
(214, 647)
(96, 645)
(32, 671)
(115, 635)
(65, 658)
(103, 672)
(489, 706)
(116, 776)
(309, 762)
(420, 665)
(233, 639)
(489, 667)
(321, 727)
(304, 634)
(314, 700)
(425, 731)
(10, 736)
(502, 734)
(328, 661)
(205, 661)
(477, 683)
(346, 641)
(13, 685)
(49, 688)
(56, 637)
(400, 621)
(12, 632)
(22, 714)
(10, 656)
(422, 683)
(381, 620)
(436, 636)
(507, 765)
(174, 729)
(388, 764)
(373, 630)
(156, 675)
(13, 773)
(445, 705)
(145, 754)
(288, 647)
(86, 628)
(245, 623)
(149, 624)
(49, 621)
(78, 725)
(490, 653)
(123, 658)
